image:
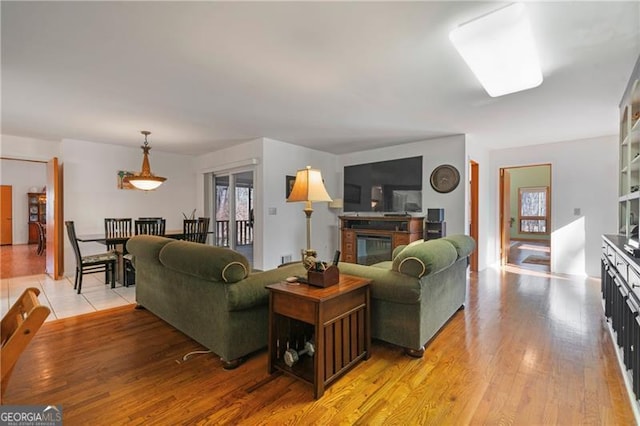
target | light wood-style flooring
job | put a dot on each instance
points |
(529, 348)
(20, 260)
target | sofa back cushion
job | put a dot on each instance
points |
(205, 261)
(425, 258)
(147, 247)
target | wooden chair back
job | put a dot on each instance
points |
(196, 229)
(71, 233)
(117, 227)
(150, 226)
(19, 325)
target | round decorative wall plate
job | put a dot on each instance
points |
(445, 178)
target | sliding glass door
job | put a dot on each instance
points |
(233, 207)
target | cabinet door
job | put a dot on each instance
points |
(348, 246)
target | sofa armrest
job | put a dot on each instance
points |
(464, 244)
(251, 291)
(425, 258)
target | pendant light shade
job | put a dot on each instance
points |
(145, 180)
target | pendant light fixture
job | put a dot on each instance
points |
(145, 180)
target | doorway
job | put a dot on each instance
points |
(525, 217)
(234, 211)
(6, 215)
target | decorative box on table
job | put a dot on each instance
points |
(326, 278)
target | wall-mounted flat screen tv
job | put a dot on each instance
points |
(393, 186)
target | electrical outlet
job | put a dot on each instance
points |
(576, 211)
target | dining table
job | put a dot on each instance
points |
(177, 234)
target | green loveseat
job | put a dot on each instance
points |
(416, 293)
(209, 293)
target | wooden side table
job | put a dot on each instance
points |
(335, 318)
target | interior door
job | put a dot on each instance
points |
(473, 213)
(54, 252)
(6, 215)
(505, 215)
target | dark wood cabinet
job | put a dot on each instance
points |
(371, 239)
(334, 319)
(37, 213)
(434, 230)
(620, 286)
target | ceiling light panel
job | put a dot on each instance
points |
(500, 50)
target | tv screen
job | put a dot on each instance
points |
(393, 186)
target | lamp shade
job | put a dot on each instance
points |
(308, 187)
(145, 180)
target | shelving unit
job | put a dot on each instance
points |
(629, 154)
(37, 212)
(434, 230)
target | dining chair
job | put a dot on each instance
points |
(91, 264)
(146, 226)
(196, 229)
(42, 238)
(150, 226)
(115, 228)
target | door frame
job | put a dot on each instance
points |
(474, 231)
(504, 251)
(4, 200)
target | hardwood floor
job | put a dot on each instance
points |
(20, 260)
(528, 349)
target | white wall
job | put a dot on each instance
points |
(245, 156)
(448, 150)
(91, 194)
(584, 176)
(28, 148)
(24, 166)
(285, 231)
(280, 227)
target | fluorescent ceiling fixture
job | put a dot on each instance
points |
(499, 49)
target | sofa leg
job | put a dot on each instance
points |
(415, 353)
(230, 365)
(139, 306)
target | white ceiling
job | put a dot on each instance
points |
(335, 76)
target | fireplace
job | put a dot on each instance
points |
(372, 249)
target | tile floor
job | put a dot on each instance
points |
(62, 299)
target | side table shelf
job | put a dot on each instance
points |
(335, 319)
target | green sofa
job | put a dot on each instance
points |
(210, 294)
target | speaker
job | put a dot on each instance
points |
(435, 215)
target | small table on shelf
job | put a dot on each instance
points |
(335, 318)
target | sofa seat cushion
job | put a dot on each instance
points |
(425, 258)
(204, 261)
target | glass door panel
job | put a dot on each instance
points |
(234, 212)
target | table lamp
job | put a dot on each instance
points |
(308, 187)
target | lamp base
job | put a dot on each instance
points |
(309, 257)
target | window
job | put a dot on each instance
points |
(533, 211)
